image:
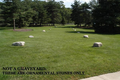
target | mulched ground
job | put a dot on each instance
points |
(23, 30)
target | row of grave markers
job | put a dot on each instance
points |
(22, 43)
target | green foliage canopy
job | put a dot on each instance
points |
(105, 16)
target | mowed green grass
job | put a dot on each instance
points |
(59, 49)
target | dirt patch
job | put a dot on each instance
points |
(23, 30)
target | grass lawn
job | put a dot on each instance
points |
(60, 49)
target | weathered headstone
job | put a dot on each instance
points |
(19, 43)
(31, 36)
(97, 44)
(86, 36)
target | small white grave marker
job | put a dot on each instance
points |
(44, 31)
(86, 36)
(97, 44)
(31, 36)
(19, 43)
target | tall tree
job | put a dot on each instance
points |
(25, 13)
(53, 9)
(77, 13)
(86, 13)
(93, 4)
(104, 16)
(42, 13)
(62, 11)
(15, 11)
(65, 13)
(1, 13)
(68, 12)
(7, 12)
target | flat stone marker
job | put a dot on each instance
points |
(97, 44)
(19, 43)
(86, 36)
(44, 31)
(31, 36)
(78, 32)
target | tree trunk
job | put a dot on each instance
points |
(53, 24)
(40, 24)
(14, 24)
(19, 26)
(85, 24)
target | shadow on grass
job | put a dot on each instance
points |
(90, 28)
(3, 28)
(68, 26)
(88, 32)
(73, 26)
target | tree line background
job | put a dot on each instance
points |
(33, 13)
(103, 15)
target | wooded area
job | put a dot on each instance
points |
(33, 13)
(102, 15)
(106, 16)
